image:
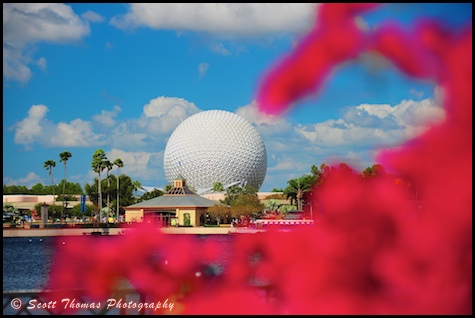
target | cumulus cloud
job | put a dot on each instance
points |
(141, 165)
(375, 124)
(162, 114)
(30, 128)
(106, 118)
(25, 24)
(288, 164)
(30, 180)
(77, 133)
(220, 18)
(266, 125)
(355, 138)
(148, 131)
(36, 128)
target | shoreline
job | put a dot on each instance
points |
(111, 231)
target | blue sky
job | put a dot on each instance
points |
(122, 77)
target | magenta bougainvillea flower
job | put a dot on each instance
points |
(372, 252)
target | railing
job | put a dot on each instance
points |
(35, 302)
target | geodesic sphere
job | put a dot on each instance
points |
(215, 146)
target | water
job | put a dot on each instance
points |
(27, 260)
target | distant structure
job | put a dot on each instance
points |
(216, 146)
(178, 207)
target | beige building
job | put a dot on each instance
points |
(27, 202)
(179, 206)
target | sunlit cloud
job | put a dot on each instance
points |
(248, 19)
(26, 24)
(106, 118)
(36, 128)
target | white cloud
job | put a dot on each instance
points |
(416, 93)
(30, 128)
(251, 113)
(266, 125)
(219, 48)
(163, 114)
(106, 118)
(172, 106)
(30, 180)
(77, 133)
(288, 164)
(223, 18)
(35, 128)
(25, 24)
(202, 68)
(139, 165)
(92, 16)
(42, 63)
(375, 124)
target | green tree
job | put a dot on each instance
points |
(242, 200)
(119, 163)
(150, 195)
(221, 211)
(76, 210)
(271, 206)
(49, 165)
(64, 157)
(297, 188)
(285, 208)
(374, 170)
(38, 189)
(98, 166)
(218, 187)
(137, 185)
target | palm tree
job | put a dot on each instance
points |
(137, 185)
(271, 206)
(97, 166)
(108, 165)
(297, 188)
(118, 162)
(64, 156)
(49, 164)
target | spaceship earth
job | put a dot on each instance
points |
(215, 146)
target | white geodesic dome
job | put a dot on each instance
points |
(215, 146)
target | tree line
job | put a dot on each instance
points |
(238, 200)
(119, 190)
(300, 189)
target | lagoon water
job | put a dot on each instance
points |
(27, 260)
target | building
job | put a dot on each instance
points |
(179, 206)
(26, 202)
(216, 146)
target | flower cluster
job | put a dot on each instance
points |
(373, 250)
